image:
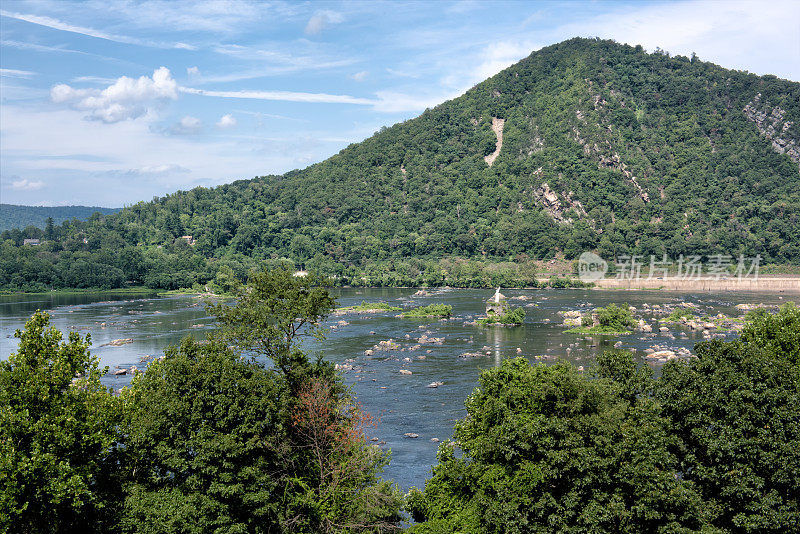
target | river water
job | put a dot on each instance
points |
(402, 403)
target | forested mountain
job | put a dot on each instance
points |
(13, 216)
(586, 144)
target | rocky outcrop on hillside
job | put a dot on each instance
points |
(552, 204)
(770, 122)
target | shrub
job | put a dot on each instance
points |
(618, 318)
(510, 317)
(434, 310)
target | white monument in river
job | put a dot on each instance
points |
(496, 305)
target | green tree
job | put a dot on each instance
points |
(222, 443)
(207, 444)
(273, 311)
(778, 333)
(546, 449)
(735, 409)
(57, 432)
(617, 318)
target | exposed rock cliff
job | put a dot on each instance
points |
(770, 122)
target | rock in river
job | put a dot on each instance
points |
(118, 342)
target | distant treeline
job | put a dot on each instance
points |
(13, 216)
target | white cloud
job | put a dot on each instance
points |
(158, 169)
(93, 79)
(188, 125)
(226, 121)
(397, 102)
(273, 59)
(193, 72)
(50, 22)
(401, 73)
(321, 20)
(286, 96)
(501, 55)
(127, 98)
(218, 16)
(14, 73)
(56, 49)
(24, 184)
(360, 76)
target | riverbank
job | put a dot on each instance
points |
(776, 284)
(787, 283)
(136, 291)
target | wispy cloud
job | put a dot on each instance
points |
(402, 73)
(272, 60)
(55, 49)
(155, 170)
(14, 73)
(285, 96)
(50, 22)
(93, 79)
(321, 20)
(215, 16)
(399, 102)
(261, 116)
(188, 125)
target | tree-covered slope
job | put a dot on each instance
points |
(14, 216)
(604, 147)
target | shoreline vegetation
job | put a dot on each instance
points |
(368, 307)
(779, 283)
(432, 311)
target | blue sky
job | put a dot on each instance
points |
(111, 102)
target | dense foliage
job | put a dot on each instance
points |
(779, 333)
(612, 319)
(211, 438)
(432, 310)
(643, 154)
(710, 446)
(207, 439)
(57, 428)
(547, 450)
(42, 217)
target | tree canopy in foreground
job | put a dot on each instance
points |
(711, 446)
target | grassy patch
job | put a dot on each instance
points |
(370, 307)
(126, 291)
(677, 315)
(434, 310)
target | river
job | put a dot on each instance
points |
(402, 403)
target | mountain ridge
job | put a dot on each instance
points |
(20, 216)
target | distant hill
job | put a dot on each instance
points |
(13, 216)
(583, 145)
